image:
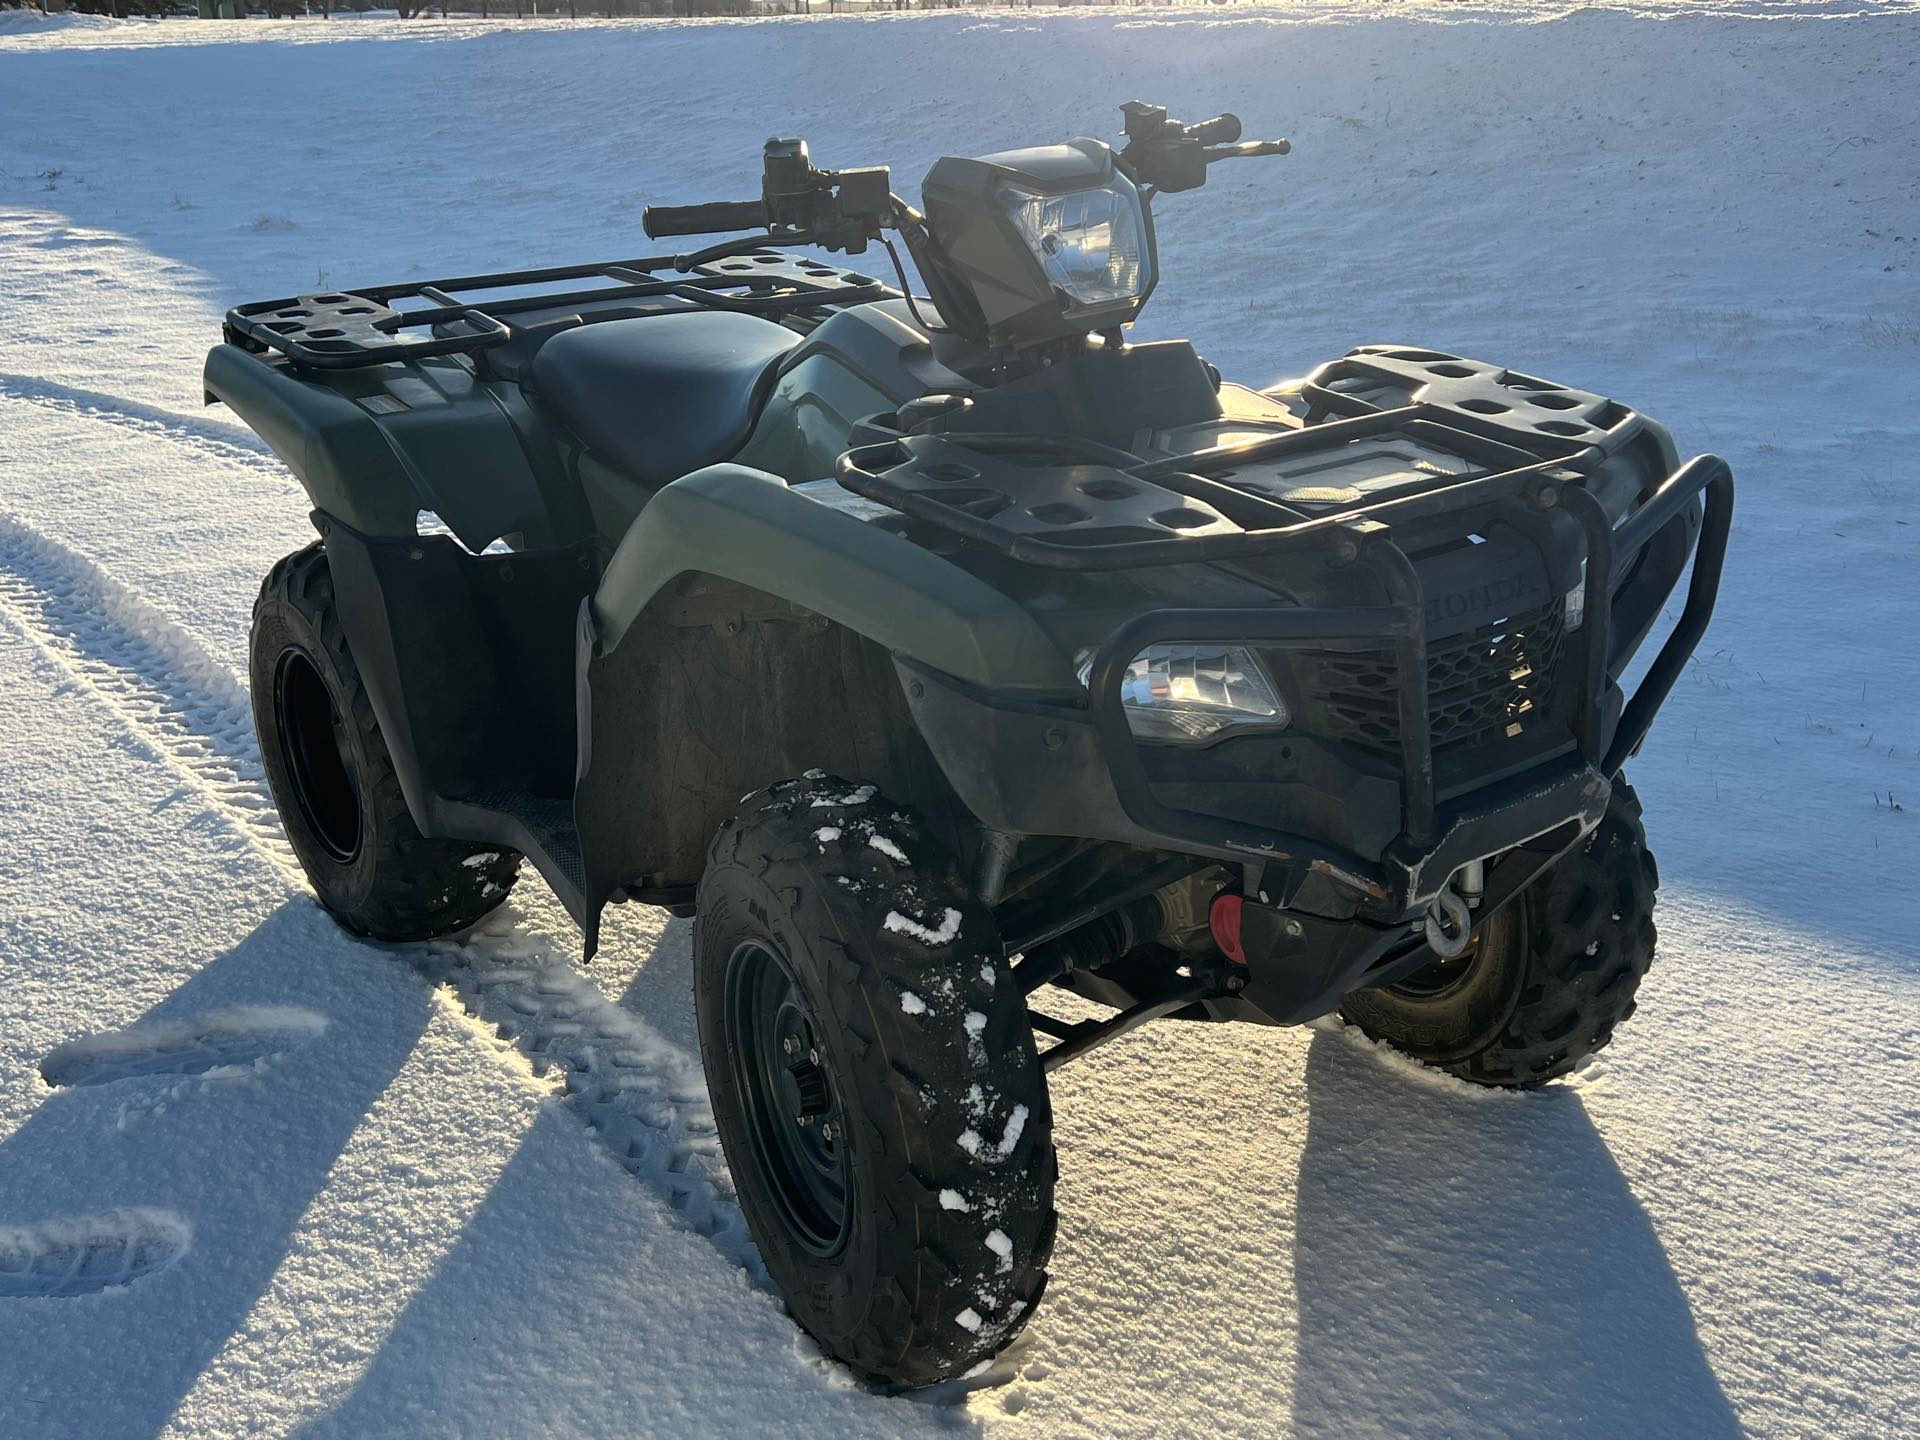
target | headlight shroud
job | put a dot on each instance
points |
(1040, 244)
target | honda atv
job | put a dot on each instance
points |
(934, 649)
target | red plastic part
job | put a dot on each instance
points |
(1224, 920)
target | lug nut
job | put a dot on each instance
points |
(826, 1131)
(813, 1057)
(791, 1044)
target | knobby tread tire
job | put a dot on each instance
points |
(400, 886)
(1583, 939)
(926, 1039)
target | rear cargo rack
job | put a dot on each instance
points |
(375, 325)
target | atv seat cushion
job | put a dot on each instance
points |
(661, 396)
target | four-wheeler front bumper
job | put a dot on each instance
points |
(1077, 769)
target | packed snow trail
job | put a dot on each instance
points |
(397, 1223)
(644, 1098)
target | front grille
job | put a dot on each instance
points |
(1497, 681)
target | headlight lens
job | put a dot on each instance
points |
(1189, 694)
(1091, 243)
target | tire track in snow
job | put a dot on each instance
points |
(643, 1098)
(116, 646)
(225, 444)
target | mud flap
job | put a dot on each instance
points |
(468, 660)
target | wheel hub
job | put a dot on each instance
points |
(807, 1088)
(792, 1109)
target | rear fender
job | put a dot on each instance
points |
(334, 448)
(375, 447)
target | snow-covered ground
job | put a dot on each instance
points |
(472, 1190)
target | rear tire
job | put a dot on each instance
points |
(334, 782)
(845, 973)
(1549, 977)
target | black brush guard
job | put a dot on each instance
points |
(1416, 867)
(1547, 810)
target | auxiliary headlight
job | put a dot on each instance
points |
(1091, 243)
(1187, 694)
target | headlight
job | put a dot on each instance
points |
(1091, 243)
(1186, 694)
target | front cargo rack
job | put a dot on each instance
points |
(1072, 505)
(375, 325)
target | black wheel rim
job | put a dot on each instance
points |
(792, 1112)
(1442, 977)
(312, 742)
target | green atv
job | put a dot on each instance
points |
(935, 649)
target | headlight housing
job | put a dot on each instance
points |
(1092, 244)
(1038, 245)
(1180, 694)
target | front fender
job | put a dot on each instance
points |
(747, 526)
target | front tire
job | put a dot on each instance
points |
(1546, 980)
(334, 782)
(875, 1081)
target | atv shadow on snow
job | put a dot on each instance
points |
(238, 1153)
(1480, 1251)
(530, 1325)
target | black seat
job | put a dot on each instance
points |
(660, 396)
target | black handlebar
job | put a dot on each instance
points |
(721, 215)
(1247, 150)
(1221, 130)
(843, 209)
(1170, 157)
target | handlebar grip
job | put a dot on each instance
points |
(722, 215)
(1221, 130)
(1247, 151)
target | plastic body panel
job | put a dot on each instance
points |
(468, 662)
(859, 362)
(748, 526)
(375, 447)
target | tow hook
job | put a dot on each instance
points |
(1449, 923)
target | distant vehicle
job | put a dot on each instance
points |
(934, 650)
